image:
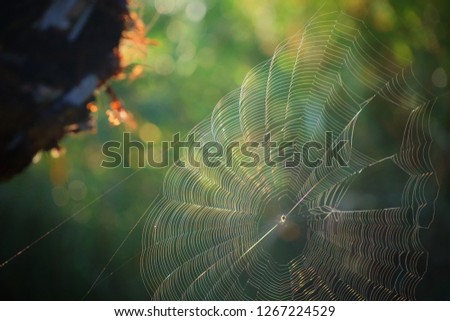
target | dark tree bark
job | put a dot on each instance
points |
(53, 55)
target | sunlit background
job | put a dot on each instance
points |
(204, 49)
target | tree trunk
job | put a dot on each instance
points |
(53, 55)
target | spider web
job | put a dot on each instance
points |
(280, 233)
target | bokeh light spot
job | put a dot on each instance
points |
(77, 190)
(149, 132)
(439, 78)
(195, 11)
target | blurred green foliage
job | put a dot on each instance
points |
(205, 49)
